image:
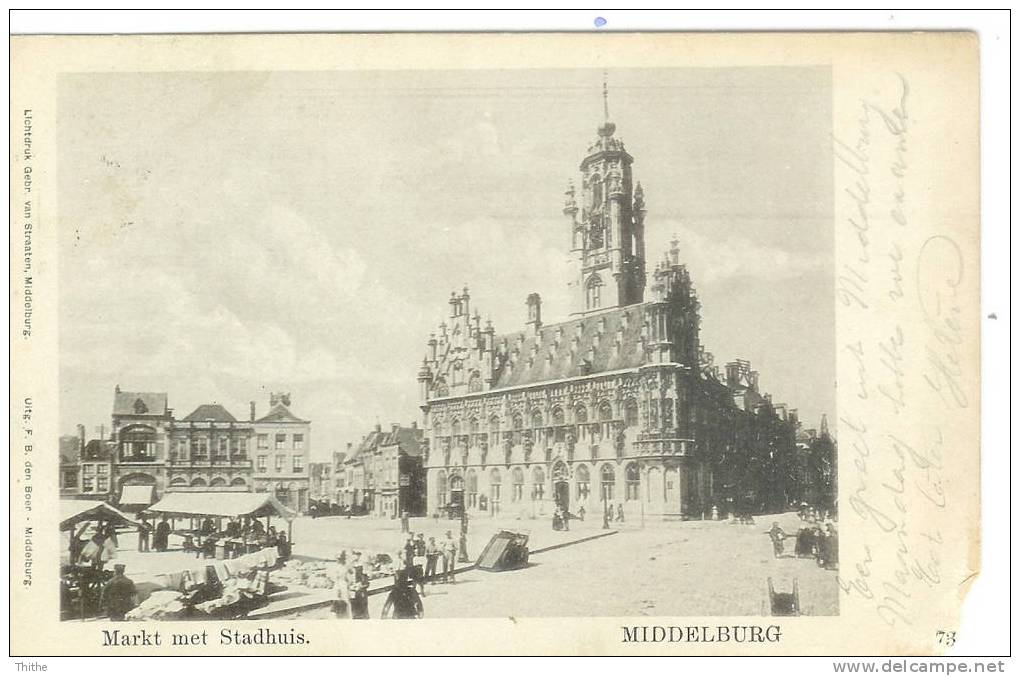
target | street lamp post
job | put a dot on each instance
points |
(605, 507)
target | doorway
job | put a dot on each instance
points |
(562, 495)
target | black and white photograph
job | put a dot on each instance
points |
(480, 339)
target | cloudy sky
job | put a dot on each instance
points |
(226, 235)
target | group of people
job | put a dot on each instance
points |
(150, 538)
(415, 563)
(812, 540)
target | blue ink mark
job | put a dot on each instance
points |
(599, 22)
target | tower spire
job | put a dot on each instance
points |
(605, 95)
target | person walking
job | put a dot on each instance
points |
(432, 555)
(777, 535)
(118, 596)
(449, 558)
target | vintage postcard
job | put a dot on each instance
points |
(558, 344)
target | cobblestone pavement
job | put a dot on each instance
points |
(664, 569)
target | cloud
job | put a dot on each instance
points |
(724, 256)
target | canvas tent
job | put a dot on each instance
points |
(221, 504)
(73, 512)
(232, 505)
(136, 496)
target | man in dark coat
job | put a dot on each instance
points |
(118, 595)
(162, 537)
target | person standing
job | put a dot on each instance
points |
(342, 589)
(432, 555)
(162, 537)
(777, 535)
(118, 596)
(358, 589)
(619, 512)
(144, 533)
(405, 522)
(449, 558)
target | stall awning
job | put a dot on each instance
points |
(221, 504)
(73, 512)
(136, 495)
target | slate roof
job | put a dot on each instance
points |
(280, 414)
(598, 331)
(207, 412)
(98, 450)
(409, 439)
(147, 403)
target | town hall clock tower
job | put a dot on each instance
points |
(607, 226)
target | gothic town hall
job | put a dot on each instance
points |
(618, 405)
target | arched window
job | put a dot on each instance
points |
(630, 413)
(473, 426)
(198, 481)
(518, 484)
(437, 428)
(218, 481)
(580, 414)
(557, 416)
(442, 497)
(474, 382)
(517, 422)
(596, 191)
(537, 483)
(667, 413)
(605, 412)
(536, 418)
(472, 488)
(608, 482)
(441, 388)
(633, 476)
(455, 428)
(138, 444)
(583, 482)
(495, 481)
(494, 429)
(594, 292)
(238, 481)
(178, 481)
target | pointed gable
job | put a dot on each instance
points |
(139, 403)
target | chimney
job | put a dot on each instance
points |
(534, 312)
(251, 411)
(81, 438)
(116, 389)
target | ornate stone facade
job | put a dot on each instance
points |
(618, 406)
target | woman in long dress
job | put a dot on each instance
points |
(342, 589)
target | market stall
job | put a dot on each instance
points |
(84, 574)
(225, 525)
